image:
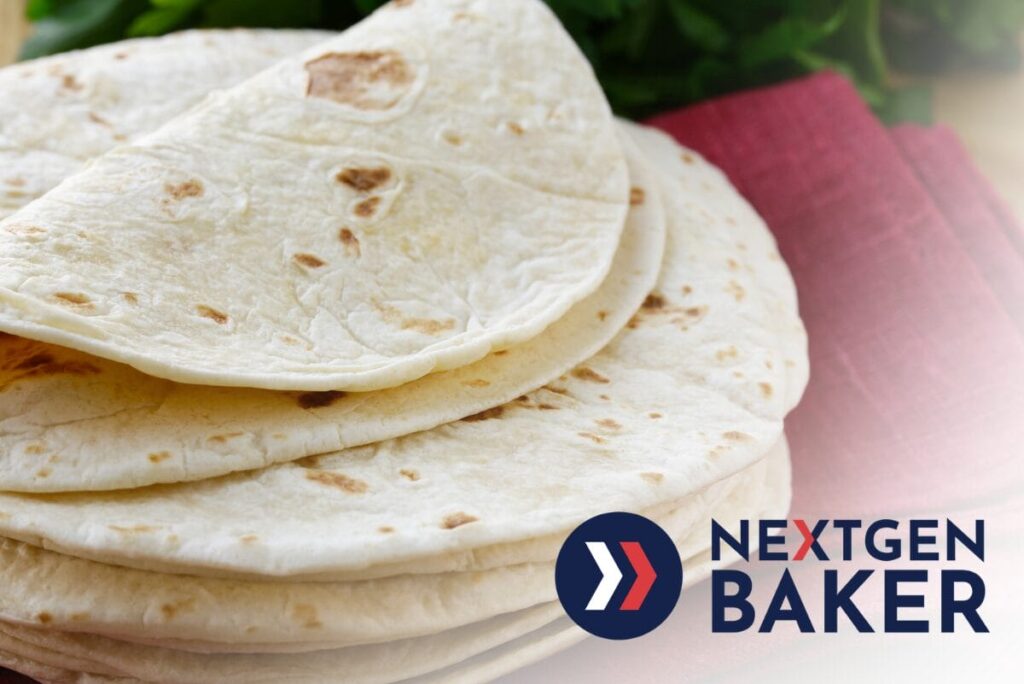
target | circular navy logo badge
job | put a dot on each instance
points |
(618, 575)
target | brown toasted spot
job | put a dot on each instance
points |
(16, 182)
(713, 454)
(371, 80)
(738, 374)
(159, 456)
(557, 390)
(220, 439)
(547, 407)
(654, 302)
(44, 618)
(654, 415)
(688, 158)
(410, 475)
(601, 315)
(133, 529)
(78, 617)
(636, 196)
(130, 297)
(590, 375)
(459, 519)
(452, 138)
(737, 436)
(501, 352)
(21, 229)
(338, 481)
(386, 529)
(350, 241)
(190, 188)
(768, 364)
(35, 361)
(121, 56)
(729, 352)
(309, 260)
(249, 539)
(608, 423)
(596, 439)
(654, 478)
(72, 298)
(687, 290)
(515, 128)
(766, 389)
(368, 207)
(400, 3)
(733, 264)
(171, 610)
(364, 180)
(311, 400)
(428, 326)
(696, 311)
(43, 473)
(736, 290)
(604, 397)
(70, 82)
(97, 119)
(35, 448)
(476, 382)
(213, 314)
(487, 414)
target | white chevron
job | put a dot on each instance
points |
(610, 576)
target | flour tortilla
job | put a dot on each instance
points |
(766, 493)
(209, 615)
(74, 422)
(693, 390)
(442, 180)
(562, 634)
(57, 113)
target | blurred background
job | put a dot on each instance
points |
(955, 62)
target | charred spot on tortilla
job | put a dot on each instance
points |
(729, 352)
(589, 375)
(459, 519)
(688, 158)
(609, 423)
(515, 128)
(386, 529)
(189, 188)
(372, 80)
(636, 196)
(351, 242)
(736, 290)
(309, 260)
(171, 610)
(488, 414)
(311, 400)
(653, 301)
(654, 478)
(766, 389)
(338, 481)
(35, 361)
(367, 207)
(130, 297)
(69, 82)
(735, 436)
(596, 439)
(159, 456)
(214, 315)
(72, 298)
(44, 618)
(43, 473)
(428, 326)
(364, 179)
(654, 415)
(687, 290)
(601, 315)
(409, 474)
(249, 539)
(16, 182)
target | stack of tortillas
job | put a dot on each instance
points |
(306, 377)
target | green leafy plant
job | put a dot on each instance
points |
(650, 55)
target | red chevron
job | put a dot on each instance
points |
(645, 576)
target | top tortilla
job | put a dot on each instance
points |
(442, 180)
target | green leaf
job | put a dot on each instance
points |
(166, 16)
(269, 13)
(700, 27)
(74, 24)
(786, 37)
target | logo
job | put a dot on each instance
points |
(618, 575)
